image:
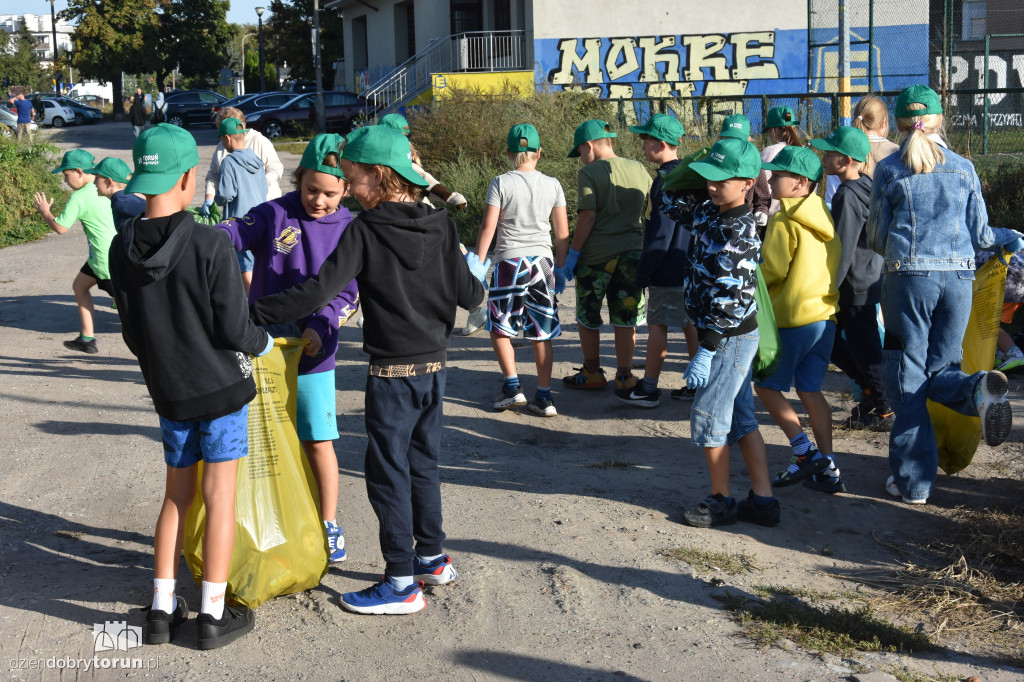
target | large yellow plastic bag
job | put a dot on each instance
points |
(280, 542)
(957, 434)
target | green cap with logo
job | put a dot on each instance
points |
(737, 126)
(798, 160)
(383, 146)
(523, 138)
(729, 158)
(779, 117)
(318, 148)
(918, 94)
(161, 154)
(113, 169)
(76, 158)
(594, 129)
(852, 142)
(396, 121)
(662, 127)
(230, 126)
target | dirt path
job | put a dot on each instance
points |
(557, 527)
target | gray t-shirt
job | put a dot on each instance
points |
(525, 202)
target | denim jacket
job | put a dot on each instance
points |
(930, 221)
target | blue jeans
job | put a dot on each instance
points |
(925, 315)
(723, 411)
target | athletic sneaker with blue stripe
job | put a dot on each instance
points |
(335, 542)
(438, 572)
(383, 599)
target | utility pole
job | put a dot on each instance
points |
(845, 115)
(53, 34)
(321, 111)
(263, 74)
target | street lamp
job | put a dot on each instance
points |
(263, 75)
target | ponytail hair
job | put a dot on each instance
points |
(918, 153)
(871, 115)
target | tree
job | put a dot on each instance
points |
(18, 66)
(252, 72)
(111, 38)
(291, 30)
(195, 37)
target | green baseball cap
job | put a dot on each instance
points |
(383, 146)
(523, 138)
(737, 126)
(918, 94)
(594, 129)
(799, 160)
(161, 154)
(231, 126)
(729, 158)
(318, 148)
(396, 121)
(852, 142)
(662, 127)
(76, 158)
(114, 169)
(781, 116)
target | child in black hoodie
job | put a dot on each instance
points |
(860, 270)
(407, 260)
(183, 315)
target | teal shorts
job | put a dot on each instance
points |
(616, 282)
(316, 412)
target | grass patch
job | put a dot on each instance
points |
(701, 560)
(610, 464)
(25, 170)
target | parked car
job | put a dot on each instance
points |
(83, 114)
(250, 103)
(184, 107)
(296, 87)
(9, 124)
(341, 110)
(56, 114)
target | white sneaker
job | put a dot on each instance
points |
(894, 490)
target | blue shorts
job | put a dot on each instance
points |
(316, 413)
(804, 357)
(723, 411)
(223, 439)
(245, 261)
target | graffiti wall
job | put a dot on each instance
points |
(967, 71)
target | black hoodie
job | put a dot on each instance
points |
(411, 273)
(183, 315)
(860, 268)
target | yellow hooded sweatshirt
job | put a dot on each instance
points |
(801, 258)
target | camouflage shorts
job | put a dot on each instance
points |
(616, 282)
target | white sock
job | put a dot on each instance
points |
(1014, 353)
(428, 559)
(163, 595)
(213, 599)
(400, 582)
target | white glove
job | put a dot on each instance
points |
(760, 218)
(458, 200)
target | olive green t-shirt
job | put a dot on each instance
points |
(615, 188)
(87, 205)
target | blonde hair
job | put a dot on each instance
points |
(392, 186)
(871, 115)
(517, 159)
(330, 159)
(415, 154)
(918, 153)
(230, 112)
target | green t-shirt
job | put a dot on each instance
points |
(98, 222)
(616, 189)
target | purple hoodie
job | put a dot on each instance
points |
(288, 248)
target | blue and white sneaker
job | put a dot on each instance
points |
(438, 572)
(383, 599)
(335, 542)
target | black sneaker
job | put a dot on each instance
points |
(827, 481)
(638, 396)
(712, 511)
(160, 625)
(801, 467)
(233, 623)
(750, 511)
(542, 406)
(80, 344)
(509, 398)
(687, 394)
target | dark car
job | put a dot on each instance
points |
(83, 114)
(250, 103)
(341, 109)
(185, 107)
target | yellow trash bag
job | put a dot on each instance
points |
(280, 541)
(957, 434)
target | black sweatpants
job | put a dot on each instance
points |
(860, 353)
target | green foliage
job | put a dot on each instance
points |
(252, 70)
(289, 38)
(462, 140)
(25, 170)
(19, 64)
(1002, 184)
(194, 36)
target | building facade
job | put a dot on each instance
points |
(41, 28)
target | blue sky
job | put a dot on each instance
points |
(241, 12)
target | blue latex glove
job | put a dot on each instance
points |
(700, 367)
(1011, 247)
(478, 268)
(569, 269)
(205, 210)
(269, 347)
(559, 280)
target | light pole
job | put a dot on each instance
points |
(321, 113)
(53, 34)
(263, 75)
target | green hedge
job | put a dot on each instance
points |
(25, 170)
(1002, 184)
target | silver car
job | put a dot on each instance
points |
(9, 124)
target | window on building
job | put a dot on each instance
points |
(360, 57)
(405, 31)
(467, 16)
(975, 22)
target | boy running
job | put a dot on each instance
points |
(111, 177)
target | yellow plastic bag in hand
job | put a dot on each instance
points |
(280, 542)
(957, 434)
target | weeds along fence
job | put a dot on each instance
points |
(971, 126)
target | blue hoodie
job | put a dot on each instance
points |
(242, 183)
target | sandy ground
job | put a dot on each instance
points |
(562, 574)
